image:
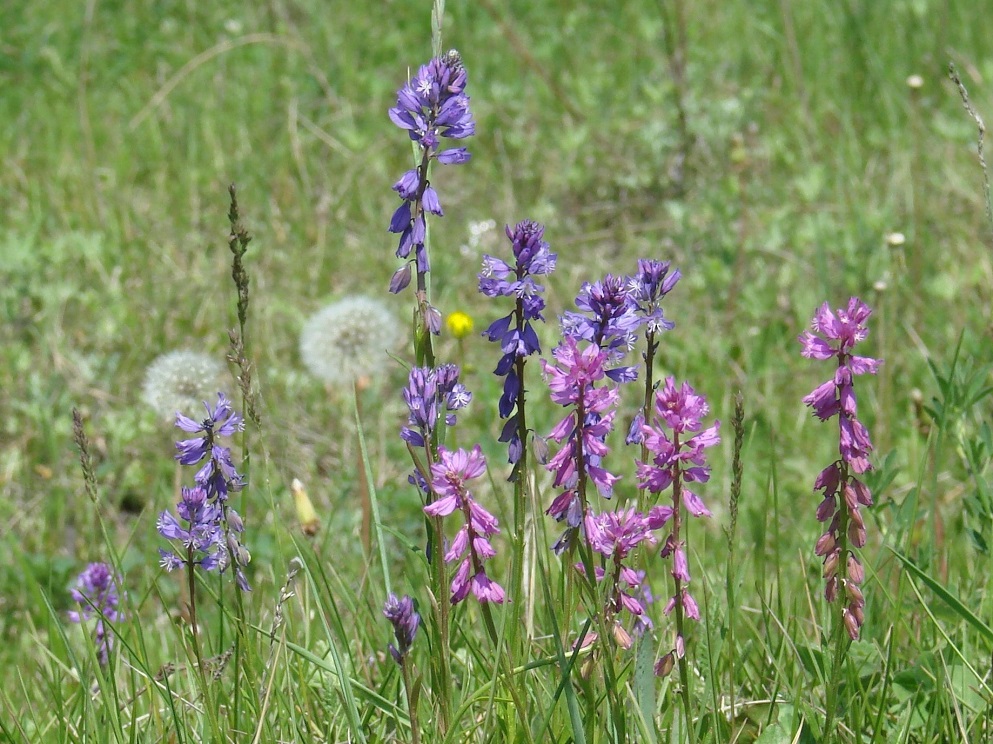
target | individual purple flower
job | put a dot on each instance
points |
(405, 621)
(834, 335)
(572, 380)
(431, 106)
(607, 318)
(100, 594)
(471, 545)
(676, 440)
(514, 332)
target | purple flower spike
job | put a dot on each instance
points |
(514, 332)
(431, 106)
(210, 537)
(676, 440)
(834, 334)
(100, 594)
(405, 622)
(573, 381)
(471, 546)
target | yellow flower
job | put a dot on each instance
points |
(459, 324)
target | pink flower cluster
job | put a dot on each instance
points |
(471, 545)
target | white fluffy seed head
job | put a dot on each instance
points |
(182, 381)
(348, 340)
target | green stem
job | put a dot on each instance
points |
(684, 677)
(373, 499)
(415, 729)
(841, 638)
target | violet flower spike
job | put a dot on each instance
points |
(471, 545)
(607, 318)
(514, 331)
(431, 106)
(214, 528)
(99, 593)
(405, 621)
(834, 335)
(646, 290)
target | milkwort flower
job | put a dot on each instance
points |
(99, 593)
(834, 335)
(405, 621)
(608, 319)
(615, 535)
(430, 106)
(514, 331)
(646, 290)
(677, 458)
(202, 538)
(471, 546)
(573, 380)
(216, 478)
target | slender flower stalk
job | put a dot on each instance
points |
(834, 335)
(100, 594)
(646, 290)
(431, 106)
(676, 439)
(433, 395)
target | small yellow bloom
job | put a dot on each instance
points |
(306, 515)
(459, 324)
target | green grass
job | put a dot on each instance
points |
(121, 126)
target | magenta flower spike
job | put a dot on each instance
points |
(833, 336)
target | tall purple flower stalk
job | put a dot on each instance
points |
(99, 593)
(514, 332)
(431, 106)
(834, 336)
(677, 458)
(471, 546)
(211, 536)
(573, 380)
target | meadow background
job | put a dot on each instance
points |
(771, 150)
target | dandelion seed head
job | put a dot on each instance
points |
(180, 381)
(348, 339)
